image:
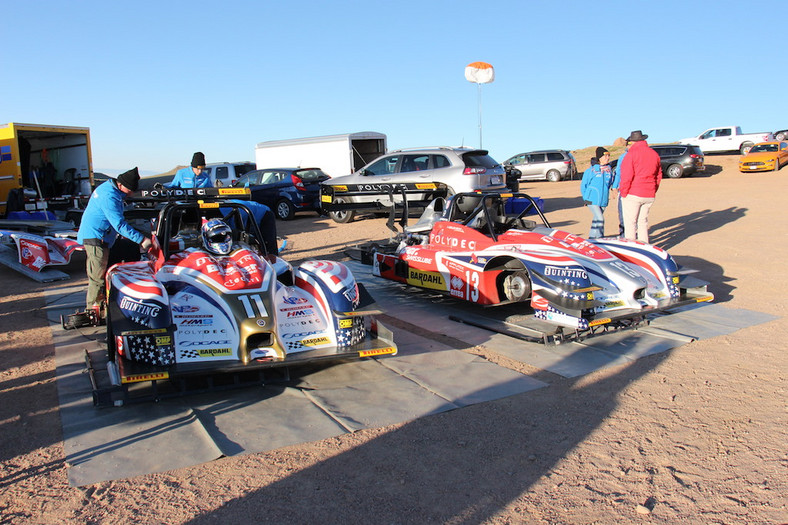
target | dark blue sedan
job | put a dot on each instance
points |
(285, 190)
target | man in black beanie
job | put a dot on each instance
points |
(193, 176)
(101, 224)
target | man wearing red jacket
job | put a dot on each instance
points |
(641, 173)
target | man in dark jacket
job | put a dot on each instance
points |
(101, 224)
(641, 174)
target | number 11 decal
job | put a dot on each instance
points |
(249, 306)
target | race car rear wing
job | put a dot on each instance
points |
(394, 199)
(189, 194)
(383, 196)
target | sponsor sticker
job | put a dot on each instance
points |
(378, 351)
(574, 273)
(432, 280)
(315, 341)
(136, 378)
(145, 332)
(234, 191)
(215, 352)
(346, 323)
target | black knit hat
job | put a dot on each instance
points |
(198, 159)
(600, 151)
(130, 179)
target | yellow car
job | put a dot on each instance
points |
(766, 156)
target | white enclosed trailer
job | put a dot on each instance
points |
(336, 155)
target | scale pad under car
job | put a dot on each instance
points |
(195, 312)
(475, 251)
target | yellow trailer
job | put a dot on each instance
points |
(44, 168)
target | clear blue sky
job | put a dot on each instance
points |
(157, 80)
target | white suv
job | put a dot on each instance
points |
(225, 174)
(460, 169)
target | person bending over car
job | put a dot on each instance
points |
(101, 225)
(193, 176)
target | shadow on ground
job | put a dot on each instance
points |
(370, 484)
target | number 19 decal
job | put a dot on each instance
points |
(253, 307)
(472, 286)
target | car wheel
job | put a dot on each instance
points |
(780, 136)
(285, 210)
(516, 286)
(344, 216)
(777, 164)
(675, 171)
(553, 176)
(745, 148)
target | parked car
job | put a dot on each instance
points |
(227, 173)
(460, 169)
(766, 156)
(727, 138)
(680, 159)
(553, 165)
(285, 190)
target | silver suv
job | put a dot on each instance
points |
(227, 173)
(460, 169)
(552, 164)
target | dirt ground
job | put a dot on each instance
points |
(693, 435)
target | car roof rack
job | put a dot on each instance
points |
(447, 148)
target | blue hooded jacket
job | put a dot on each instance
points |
(103, 218)
(185, 178)
(595, 186)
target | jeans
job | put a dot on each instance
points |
(597, 221)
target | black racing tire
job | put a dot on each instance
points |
(777, 164)
(344, 216)
(285, 210)
(516, 285)
(553, 176)
(675, 171)
(745, 148)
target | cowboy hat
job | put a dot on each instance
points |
(636, 136)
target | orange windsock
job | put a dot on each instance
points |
(479, 72)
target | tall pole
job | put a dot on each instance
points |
(479, 86)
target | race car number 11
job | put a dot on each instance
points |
(253, 305)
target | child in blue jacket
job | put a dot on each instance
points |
(595, 189)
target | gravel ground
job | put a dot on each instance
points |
(693, 435)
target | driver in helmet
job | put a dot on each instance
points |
(217, 237)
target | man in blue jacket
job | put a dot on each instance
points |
(595, 189)
(193, 176)
(101, 224)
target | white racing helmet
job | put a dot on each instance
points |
(217, 237)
